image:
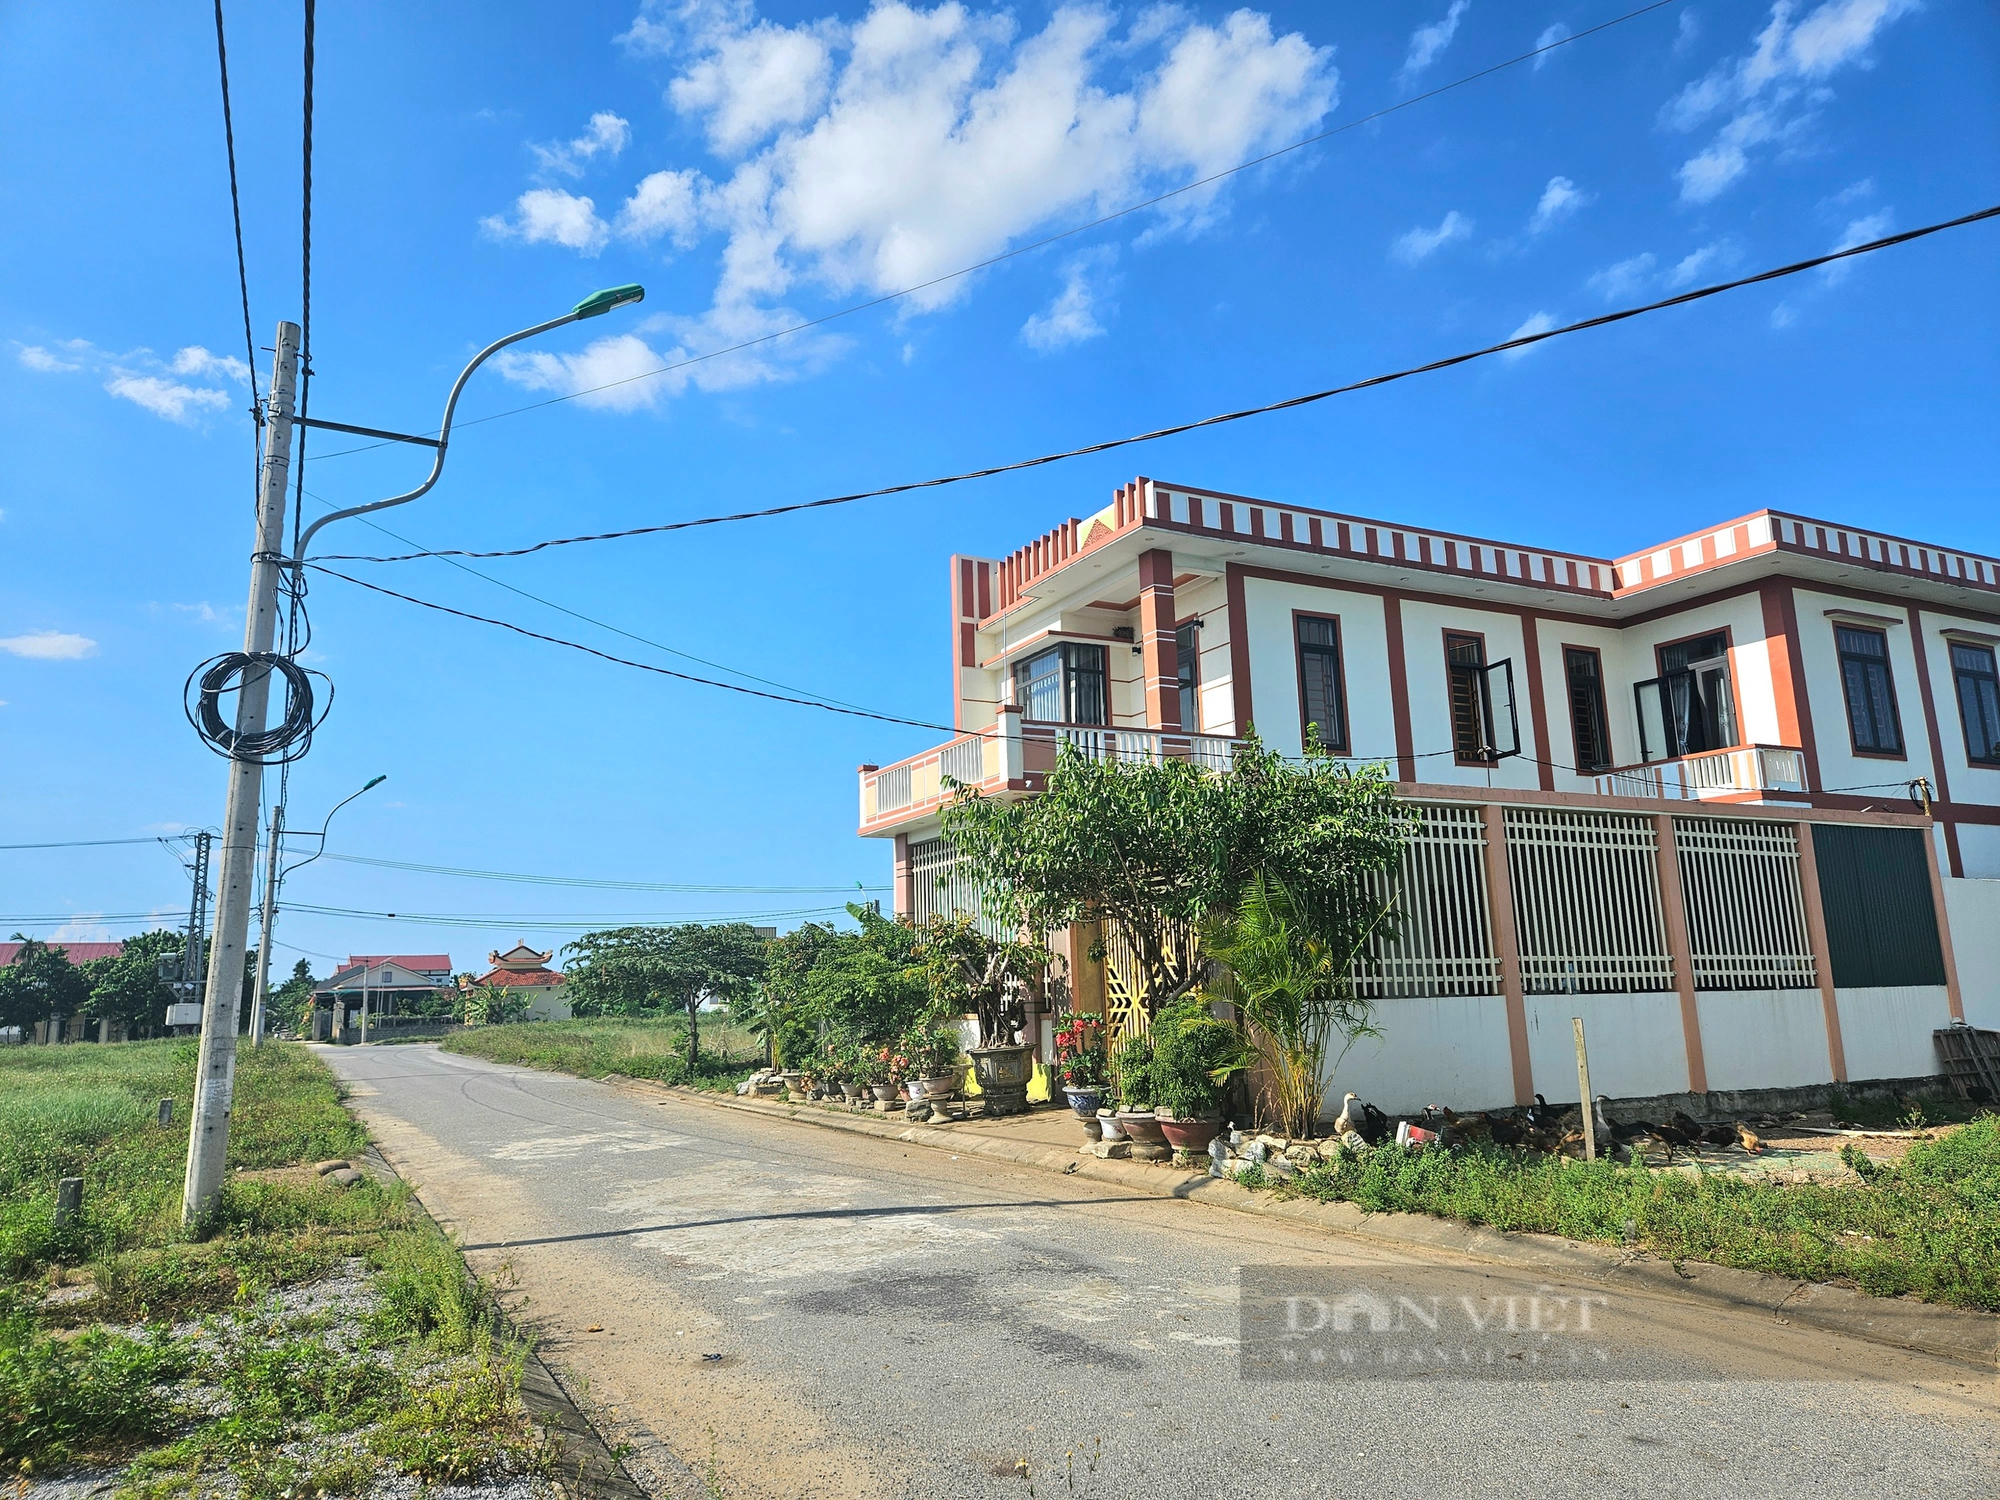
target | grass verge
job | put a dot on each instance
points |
(1928, 1226)
(312, 1340)
(596, 1048)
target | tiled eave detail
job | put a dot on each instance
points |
(1235, 519)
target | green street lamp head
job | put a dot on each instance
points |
(376, 782)
(610, 297)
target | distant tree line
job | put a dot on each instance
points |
(42, 984)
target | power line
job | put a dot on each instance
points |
(1521, 342)
(98, 843)
(858, 713)
(305, 281)
(1058, 237)
(588, 619)
(236, 213)
(556, 921)
(606, 885)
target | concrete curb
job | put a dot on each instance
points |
(588, 1469)
(1958, 1334)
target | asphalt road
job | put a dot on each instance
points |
(765, 1308)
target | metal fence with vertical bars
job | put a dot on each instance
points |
(1587, 902)
(1746, 911)
(1440, 938)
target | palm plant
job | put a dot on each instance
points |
(1288, 970)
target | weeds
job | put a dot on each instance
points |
(1928, 1226)
(60, 1396)
(592, 1049)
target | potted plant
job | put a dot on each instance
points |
(970, 972)
(1083, 1065)
(1194, 1056)
(932, 1048)
(1133, 1070)
(871, 1072)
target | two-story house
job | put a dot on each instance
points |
(1727, 798)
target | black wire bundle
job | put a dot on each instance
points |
(281, 743)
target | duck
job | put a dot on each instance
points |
(1374, 1127)
(1346, 1119)
(1748, 1139)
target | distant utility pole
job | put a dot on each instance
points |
(197, 929)
(267, 919)
(215, 1078)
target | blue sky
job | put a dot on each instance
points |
(480, 166)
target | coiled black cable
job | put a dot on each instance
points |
(279, 744)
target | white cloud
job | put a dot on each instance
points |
(82, 927)
(146, 380)
(1695, 262)
(1072, 317)
(1559, 200)
(607, 136)
(166, 398)
(1551, 34)
(1617, 282)
(1859, 232)
(197, 361)
(1764, 92)
(49, 645)
(877, 155)
(1420, 243)
(35, 357)
(608, 361)
(1783, 315)
(758, 81)
(1540, 322)
(550, 215)
(1426, 42)
(664, 203)
(1852, 193)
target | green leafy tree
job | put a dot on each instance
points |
(638, 971)
(868, 984)
(1288, 968)
(286, 1005)
(778, 1009)
(1157, 848)
(125, 987)
(970, 973)
(41, 984)
(488, 1005)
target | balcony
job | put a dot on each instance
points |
(1749, 773)
(1015, 756)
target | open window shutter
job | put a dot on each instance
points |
(1503, 731)
(1655, 741)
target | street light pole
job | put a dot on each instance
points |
(215, 1081)
(266, 918)
(215, 1073)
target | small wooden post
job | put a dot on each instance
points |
(166, 1113)
(1583, 1083)
(69, 1201)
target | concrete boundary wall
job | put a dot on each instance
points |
(1973, 907)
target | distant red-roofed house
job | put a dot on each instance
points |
(527, 974)
(370, 986)
(79, 953)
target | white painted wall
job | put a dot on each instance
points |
(1887, 1032)
(1424, 627)
(1839, 766)
(1969, 783)
(1972, 907)
(1763, 1039)
(1444, 1050)
(1978, 849)
(1635, 1041)
(1274, 668)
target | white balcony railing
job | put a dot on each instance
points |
(1746, 770)
(1211, 752)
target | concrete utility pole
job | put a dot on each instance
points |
(215, 1077)
(268, 917)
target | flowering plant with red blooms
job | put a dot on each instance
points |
(1080, 1055)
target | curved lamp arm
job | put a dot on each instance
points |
(321, 835)
(591, 306)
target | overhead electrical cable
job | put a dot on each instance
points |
(1521, 342)
(99, 843)
(242, 268)
(588, 619)
(585, 883)
(1059, 236)
(553, 640)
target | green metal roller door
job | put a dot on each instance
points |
(1875, 886)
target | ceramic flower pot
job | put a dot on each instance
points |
(1191, 1135)
(1003, 1074)
(1085, 1101)
(885, 1093)
(940, 1087)
(1107, 1122)
(1143, 1126)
